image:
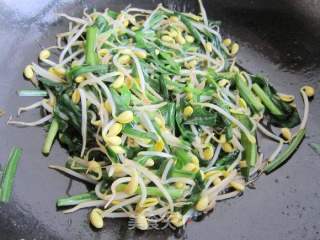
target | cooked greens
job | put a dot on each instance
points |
(156, 116)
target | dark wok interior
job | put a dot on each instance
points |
(279, 38)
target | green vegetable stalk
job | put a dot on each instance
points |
(9, 174)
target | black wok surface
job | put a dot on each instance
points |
(278, 38)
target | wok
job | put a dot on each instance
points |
(278, 38)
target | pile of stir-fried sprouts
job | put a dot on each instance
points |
(157, 117)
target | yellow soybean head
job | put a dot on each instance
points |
(28, 72)
(75, 96)
(141, 54)
(223, 82)
(132, 186)
(149, 163)
(227, 147)
(58, 71)
(119, 82)
(194, 159)
(159, 145)
(180, 185)
(113, 141)
(142, 222)
(208, 47)
(117, 149)
(187, 111)
(227, 42)
(191, 64)
(208, 153)
(222, 138)
(96, 218)
(95, 167)
(79, 79)
(180, 39)
(174, 19)
(234, 49)
(176, 219)
(308, 90)
(160, 121)
(237, 186)
(44, 54)
(190, 167)
(173, 33)
(216, 181)
(148, 202)
(189, 39)
(286, 98)
(242, 103)
(107, 106)
(168, 39)
(203, 203)
(103, 52)
(124, 59)
(286, 134)
(115, 129)
(125, 117)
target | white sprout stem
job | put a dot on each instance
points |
(154, 178)
(140, 73)
(235, 163)
(107, 126)
(46, 74)
(150, 108)
(74, 174)
(225, 182)
(203, 13)
(73, 19)
(306, 110)
(71, 41)
(114, 186)
(231, 118)
(215, 156)
(236, 143)
(89, 204)
(30, 107)
(143, 189)
(83, 120)
(227, 195)
(134, 199)
(155, 154)
(166, 171)
(71, 57)
(30, 124)
(94, 80)
(276, 152)
(268, 133)
(180, 179)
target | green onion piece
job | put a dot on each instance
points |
(90, 46)
(9, 174)
(250, 149)
(32, 93)
(266, 100)
(247, 95)
(286, 153)
(192, 30)
(53, 130)
(76, 199)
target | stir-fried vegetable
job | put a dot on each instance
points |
(157, 117)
